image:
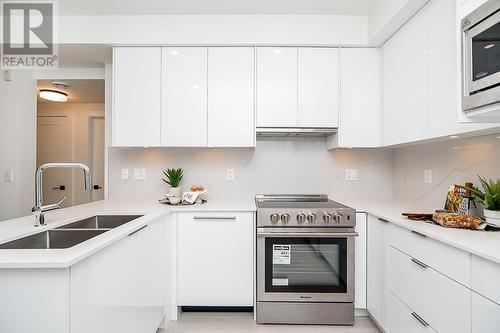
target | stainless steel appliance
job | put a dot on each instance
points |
(481, 56)
(305, 260)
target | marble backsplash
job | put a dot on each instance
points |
(454, 161)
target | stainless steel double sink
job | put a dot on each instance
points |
(71, 234)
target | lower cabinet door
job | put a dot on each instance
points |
(403, 320)
(360, 262)
(103, 290)
(215, 259)
(485, 315)
(151, 276)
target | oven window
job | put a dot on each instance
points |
(486, 53)
(314, 265)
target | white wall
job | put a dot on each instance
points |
(274, 166)
(452, 162)
(17, 144)
(213, 29)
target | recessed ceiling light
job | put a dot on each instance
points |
(53, 95)
(276, 50)
(453, 136)
(489, 46)
(174, 52)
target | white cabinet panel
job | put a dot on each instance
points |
(184, 97)
(359, 97)
(377, 270)
(276, 87)
(151, 276)
(136, 96)
(485, 315)
(485, 278)
(440, 301)
(104, 290)
(403, 65)
(231, 85)
(403, 320)
(360, 262)
(318, 87)
(215, 259)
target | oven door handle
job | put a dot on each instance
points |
(307, 234)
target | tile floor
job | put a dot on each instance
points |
(243, 323)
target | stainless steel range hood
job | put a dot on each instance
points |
(294, 131)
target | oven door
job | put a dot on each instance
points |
(295, 265)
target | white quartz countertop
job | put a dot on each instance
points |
(61, 258)
(485, 244)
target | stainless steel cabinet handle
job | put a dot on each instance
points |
(307, 234)
(383, 220)
(215, 217)
(418, 234)
(136, 231)
(423, 322)
(418, 262)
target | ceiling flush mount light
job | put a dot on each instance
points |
(489, 46)
(53, 95)
(453, 136)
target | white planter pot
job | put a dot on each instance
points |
(175, 192)
(492, 217)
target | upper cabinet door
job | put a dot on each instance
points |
(136, 97)
(231, 87)
(318, 87)
(276, 87)
(184, 97)
(360, 109)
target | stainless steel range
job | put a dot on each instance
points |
(305, 260)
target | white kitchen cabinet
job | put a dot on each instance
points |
(276, 87)
(404, 78)
(442, 302)
(404, 320)
(136, 96)
(360, 260)
(377, 290)
(184, 97)
(485, 315)
(359, 98)
(231, 97)
(318, 87)
(485, 275)
(215, 258)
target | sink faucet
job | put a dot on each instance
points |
(39, 208)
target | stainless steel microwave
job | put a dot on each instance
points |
(481, 57)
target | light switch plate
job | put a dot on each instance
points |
(351, 174)
(124, 174)
(139, 174)
(428, 176)
(8, 176)
(230, 174)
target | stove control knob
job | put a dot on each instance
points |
(337, 217)
(274, 218)
(311, 218)
(301, 218)
(285, 218)
(328, 218)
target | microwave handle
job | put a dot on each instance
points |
(307, 234)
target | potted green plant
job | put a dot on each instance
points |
(173, 178)
(490, 198)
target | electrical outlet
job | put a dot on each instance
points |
(139, 174)
(428, 176)
(351, 174)
(125, 174)
(8, 176)
(230, 174)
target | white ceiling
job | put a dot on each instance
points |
(214, 7)
(81, 91)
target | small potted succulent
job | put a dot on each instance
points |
(490, 198)
(173, 178)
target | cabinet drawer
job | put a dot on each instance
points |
(485, 315)
(440, 301)
(486, 278)
(445, 259)
(216, 258)
(403, 320)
